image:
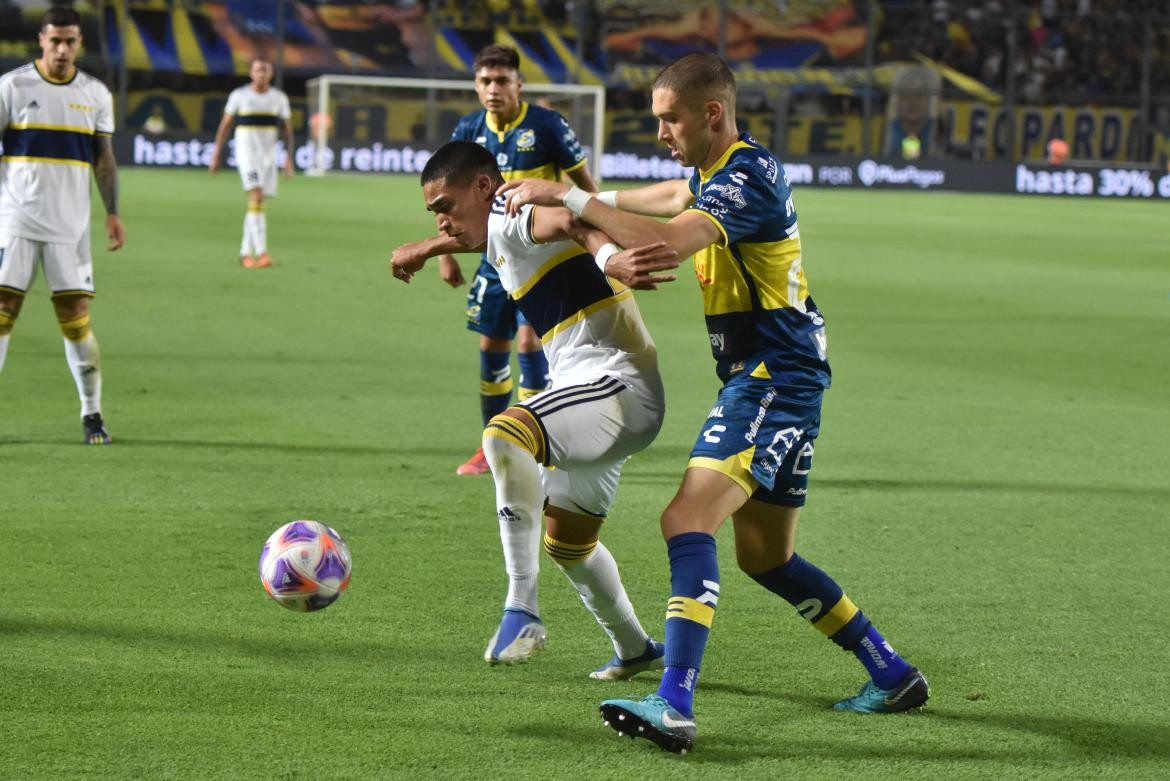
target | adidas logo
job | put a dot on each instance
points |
(34, 104)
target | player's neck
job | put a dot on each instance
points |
(265, 88)
(720, 143)
(501, 121)
(58, 78)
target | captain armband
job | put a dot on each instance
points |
(607, 251)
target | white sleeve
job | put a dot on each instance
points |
(285, 110)
(104, 121)
(5, 104)
(520, 226)
(233, 104)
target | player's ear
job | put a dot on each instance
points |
(714, 113)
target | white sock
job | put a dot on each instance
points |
(246, 242)
(520, 507)
(260, 232)
(85, 362)
(597, 581)
(3, 348)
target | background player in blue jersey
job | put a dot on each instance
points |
(754, 451)
(527, 140)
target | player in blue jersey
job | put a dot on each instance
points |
(754, 451)
(527, 140)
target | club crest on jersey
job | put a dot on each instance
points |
(525, 140)
(502, 160)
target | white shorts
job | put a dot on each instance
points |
(68, 267)
(262, 176)
(590, 430)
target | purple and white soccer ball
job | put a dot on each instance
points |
(305, 566)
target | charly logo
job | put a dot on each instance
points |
(867, 172)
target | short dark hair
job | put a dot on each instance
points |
(458, 162)
(497, 56)
(698, 77)
(60, 16)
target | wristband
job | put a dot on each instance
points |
(609, 198)
(603, 255)
(576, 199)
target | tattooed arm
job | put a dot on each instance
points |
(105, 171)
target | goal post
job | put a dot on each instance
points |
(386, 120)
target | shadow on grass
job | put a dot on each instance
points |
(1087, 739)
(410, 454)
(142, 638)
(917, 485)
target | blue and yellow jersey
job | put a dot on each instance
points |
(760, 317)
(538, 144)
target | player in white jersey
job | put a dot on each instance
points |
(604, 404)
(57, 124)
(257, 110)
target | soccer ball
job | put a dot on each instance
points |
(305, 566)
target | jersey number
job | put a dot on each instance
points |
(482, 283)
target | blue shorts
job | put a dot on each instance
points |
(762, 437)
(490, 310)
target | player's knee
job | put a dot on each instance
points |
(568, 554)
(75, 328)
(505, 434)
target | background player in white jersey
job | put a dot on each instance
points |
(57, 124)
(605, 402)
(257, 109)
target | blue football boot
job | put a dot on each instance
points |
(652, 718)
(617, 669)
(910, 692)
(517, 639)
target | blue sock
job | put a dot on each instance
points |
(694, 585)
(818, 598)
(533, 374)
(495, 384)
(885, 667)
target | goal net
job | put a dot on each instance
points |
(382, 124)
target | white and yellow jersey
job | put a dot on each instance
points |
(589, 323)
(258, 116)
(48, 132)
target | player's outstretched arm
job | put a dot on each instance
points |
(105, 171)
(685, 234)
(221, 132)
(583, 179)
(637, 267)
(412, 256)
(661, 199)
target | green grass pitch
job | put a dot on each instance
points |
(991, 487)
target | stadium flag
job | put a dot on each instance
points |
(531, 68)
(579, 70)
(190, 53)
(453, 49)
(971, 86)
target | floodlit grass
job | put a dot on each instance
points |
(990, 487)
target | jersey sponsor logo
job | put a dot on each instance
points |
(718, 341)
(502, 160)
(754, 428)
(526, 140)
(730, 192)
(771, 170)
(716, 412)
(711, 435)
(797, 491)
(80, 107)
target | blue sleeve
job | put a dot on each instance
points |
(566, 149)
(462, 131)
(742, 200)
